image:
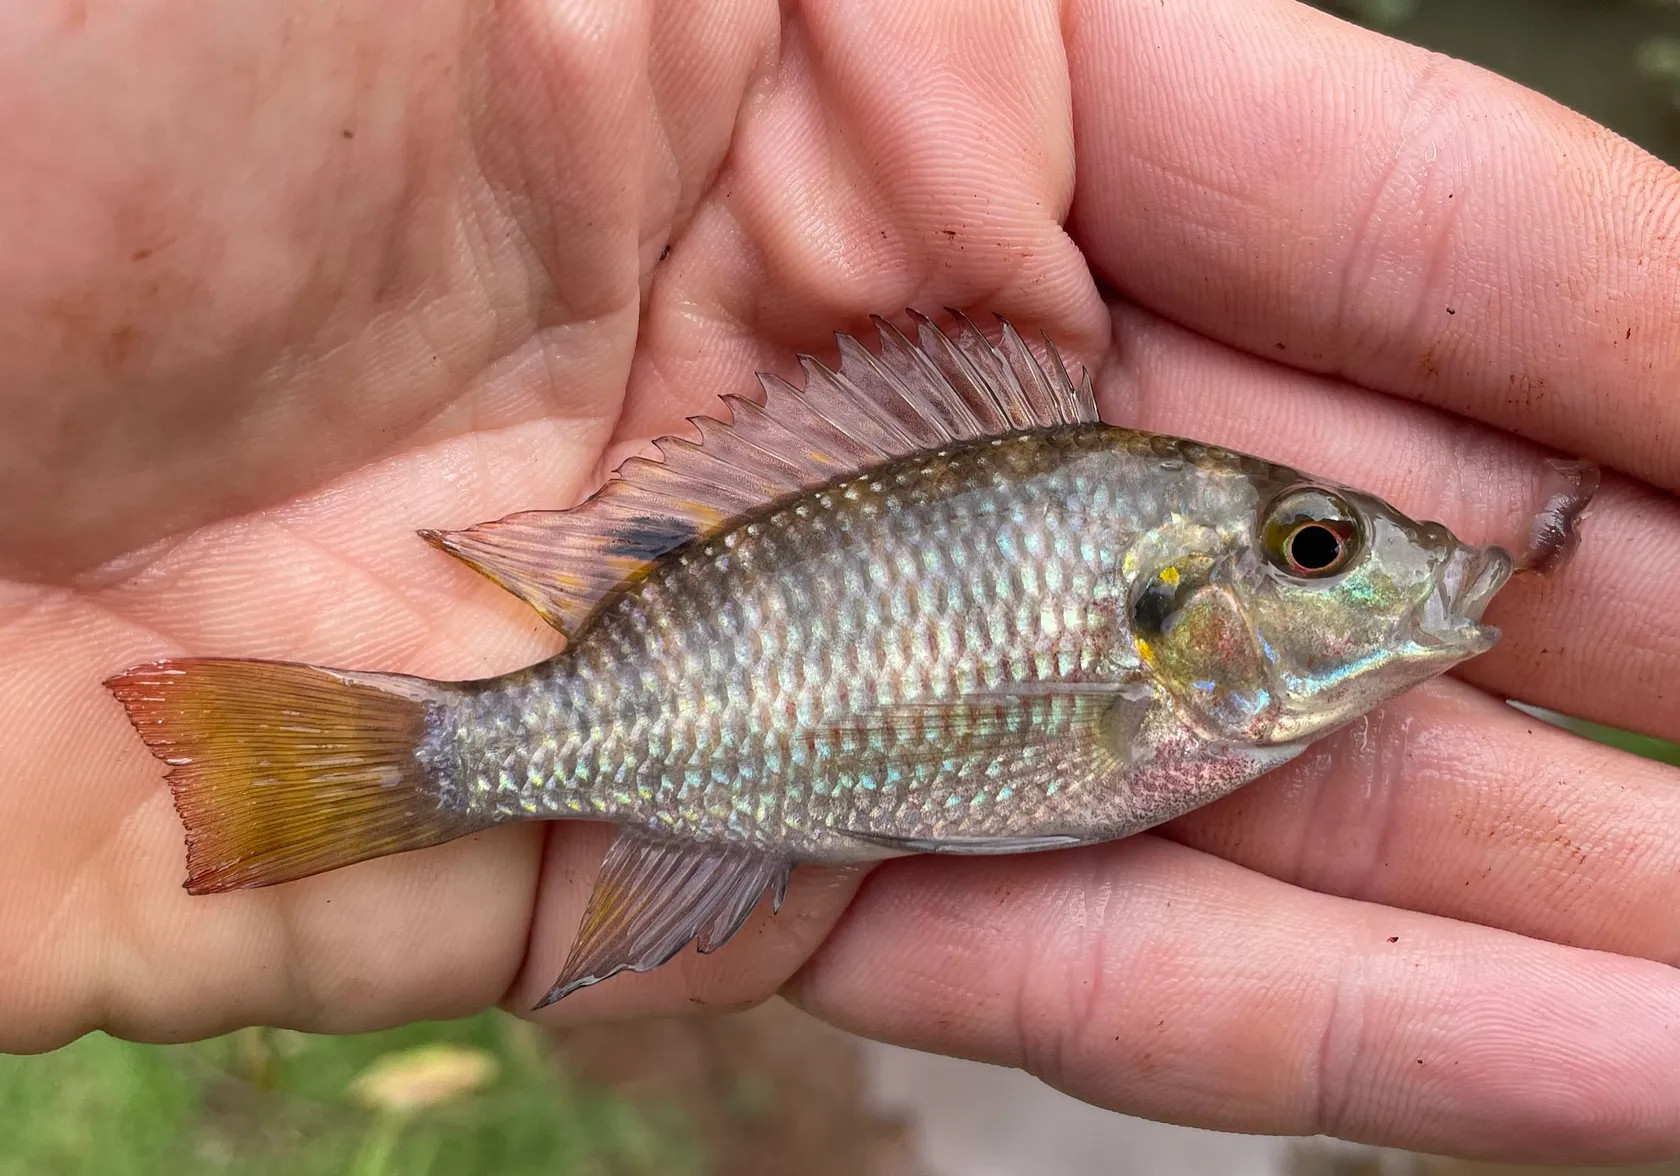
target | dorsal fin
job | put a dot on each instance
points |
(909, 398)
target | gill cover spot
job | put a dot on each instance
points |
(1194, 633)
(1310, 533)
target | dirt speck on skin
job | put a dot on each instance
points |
(767, 1092)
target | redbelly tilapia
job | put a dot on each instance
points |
(929, 603)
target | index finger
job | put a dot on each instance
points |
(1160, 981)
(1330, 198)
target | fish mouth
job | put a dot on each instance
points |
(1450, 618)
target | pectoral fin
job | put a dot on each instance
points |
(1081, 718)
(968, 845)
(655, 895)
(1080, 733)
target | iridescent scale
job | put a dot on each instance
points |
(730, 693)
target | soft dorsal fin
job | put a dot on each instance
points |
(908, 398)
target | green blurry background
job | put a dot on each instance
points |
(1615, 60)
(492, 1095)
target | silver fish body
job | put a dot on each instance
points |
(734, 693)
(930, 603)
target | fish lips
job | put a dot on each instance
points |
(1448, 622)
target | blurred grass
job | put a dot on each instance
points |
(1641, 745)
(273, 1101)
(1616, 61)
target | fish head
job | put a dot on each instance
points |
(1319, 607)
(1353, 603)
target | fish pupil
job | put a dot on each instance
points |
(1314, 547)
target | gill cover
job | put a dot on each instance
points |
(1190, 627)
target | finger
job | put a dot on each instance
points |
(1448, 802)
(1599, 637)
(902, 155)
(1313, 192)
(1156, 980)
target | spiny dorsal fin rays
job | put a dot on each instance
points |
(909, 398)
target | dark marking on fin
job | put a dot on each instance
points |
(647, 537)
(654, 895)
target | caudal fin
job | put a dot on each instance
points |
(281, 771)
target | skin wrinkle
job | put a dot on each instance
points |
(1027, 1047)
(14, 959)
(1472, 452)
(1336, 1062)
(1559, 884)
(548, 850)
(582, 60)
(551, 392)
(715, 316)
(1432, 301)
(26, 605)
(402, 604)
(1079, 933)
(117, 610)
(126, 997)
(1426, 96)
(1380, 788)
(706, 194)
(476, 207)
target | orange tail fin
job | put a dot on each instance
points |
(281, 771)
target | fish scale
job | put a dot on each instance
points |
(927, 603)
(969, 569)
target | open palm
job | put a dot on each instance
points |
(281, 285)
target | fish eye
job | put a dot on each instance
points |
(1310, 533)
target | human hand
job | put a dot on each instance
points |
(279, 290)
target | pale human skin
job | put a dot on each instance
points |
(281, 284)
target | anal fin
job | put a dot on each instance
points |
(654, 895)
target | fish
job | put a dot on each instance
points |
(927, 603)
